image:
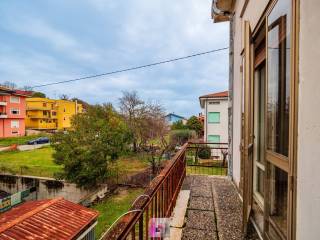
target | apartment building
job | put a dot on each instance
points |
(50, 114)
(12, 112)
(215, 107)
(41, 114)
(275, 125)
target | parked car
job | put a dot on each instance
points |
(40, 140)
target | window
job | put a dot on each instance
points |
(45, 113)
(278, 98)
(14, 99)
(14, 123)
(214, 103)
(54, 114)
(214, 138)
(14, 132)
(214, 117)
(15, 111)
(44, 104)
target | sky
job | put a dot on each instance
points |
(56, 40)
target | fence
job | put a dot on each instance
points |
(207, 158)
(157, 201)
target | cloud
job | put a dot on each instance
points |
(46, 42)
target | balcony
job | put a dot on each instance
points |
(3, 115)
(199, 205)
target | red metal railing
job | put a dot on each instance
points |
(158, 201)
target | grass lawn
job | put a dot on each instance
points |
(113, 207)
(36, 162)
(17, 140)
(206, 170)
(39, 162)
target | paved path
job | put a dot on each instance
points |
(32, 147)
(214, 210)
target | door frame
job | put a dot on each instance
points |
(289, 164)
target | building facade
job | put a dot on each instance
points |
(275, 124)
(173, 118)
(215, 108)
(12, 112)
(49, 114)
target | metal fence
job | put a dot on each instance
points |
(207, 158)
(158, 201)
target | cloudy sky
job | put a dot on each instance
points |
(55, 40)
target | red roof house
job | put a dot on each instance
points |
(56, 219)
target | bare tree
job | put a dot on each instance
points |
(133, 109)
(9, 84)
(64, 97)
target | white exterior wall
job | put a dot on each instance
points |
(308, 159)
(308, 163)
(253, 12)
(217, 128)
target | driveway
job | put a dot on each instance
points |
(32, 147)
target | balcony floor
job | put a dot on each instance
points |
(214, 210)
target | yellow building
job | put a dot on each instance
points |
(49, 114)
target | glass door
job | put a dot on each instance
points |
(278, 102)
(259, 134)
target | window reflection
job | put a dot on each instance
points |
(278, 99)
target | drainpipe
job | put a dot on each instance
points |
(231, 98)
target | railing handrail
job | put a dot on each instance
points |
(202, 143)
(123, 227)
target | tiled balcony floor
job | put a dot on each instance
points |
(214, 210)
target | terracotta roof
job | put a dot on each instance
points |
(56, 219)
(216, 95)
(16, 91)
(23, 93)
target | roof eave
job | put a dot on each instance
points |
(221, 10)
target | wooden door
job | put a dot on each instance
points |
(248, 126)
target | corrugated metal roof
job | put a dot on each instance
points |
(56, 219)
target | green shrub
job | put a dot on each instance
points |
(180, 137)
(204, 153)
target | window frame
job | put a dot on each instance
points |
(15, 125)
(214, 135)
(14, 97)
(15, 109)
(214, 122)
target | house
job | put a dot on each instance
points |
(173, 118)
(41, 114)
(48, 219)
(50, 114)
(274, 118)
(65, 111)
(12, 112)
(215, 107)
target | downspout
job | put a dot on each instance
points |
(231, 98)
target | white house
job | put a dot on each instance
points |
(215, 107)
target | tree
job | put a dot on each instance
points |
(84, 103)
(38, 95)
(195, 124)
(133, 109)
(178, 125)
(64, 97)
(9, 84)
(98, 137)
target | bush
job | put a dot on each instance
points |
(180, 137)
(204, 153)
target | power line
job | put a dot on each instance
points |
(129, 69)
